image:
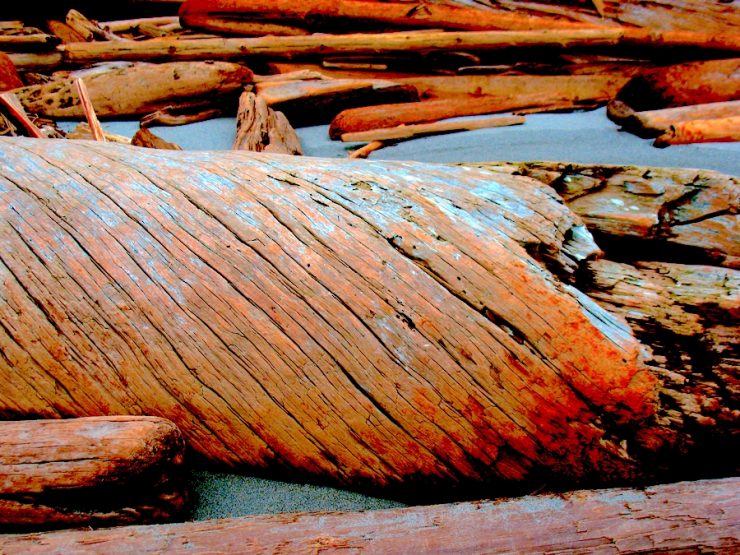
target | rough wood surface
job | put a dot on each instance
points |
(366, 323)
(90, 472)
(138, 89)
(687, 517)
(683, 84)
(259, 128)
(9, 78)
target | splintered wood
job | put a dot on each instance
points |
(363, 323)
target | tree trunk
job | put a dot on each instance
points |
(372, 324)
(97, 471)
(688, 517)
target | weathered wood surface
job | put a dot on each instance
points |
(687, 517)
(145, 138)
(139, 89)
(90, 472)
(9, 78)
(683, 84)
(682, 215)
(366, 323)
(259, 128)
(716, 130)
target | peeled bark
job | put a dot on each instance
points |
(683, 84)
(687, 517)
(139, 89)
(364, 323)
(97, 471)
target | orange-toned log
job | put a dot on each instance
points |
(359, 322)
(724, 130)
(96, 471)
(683, 84)
(354, 14)
(476, 95)
(9, 78)
(685, 517)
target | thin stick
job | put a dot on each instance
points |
(14, 107)
(364, 151)
(438, 127)
(87, 107)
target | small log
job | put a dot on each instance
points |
(228, 25)
(28, 42)
(369, 148)
(9, 78)
(125, 25)
(145, 138)
(41, 61)
(318, 101)
(172, 116)
(89, 110)
(725, 129)
(476, 95)
(404, 132)
(140, 89)
(97, 471)
(652, 123)
(259, 128)
(89, 30)
(64, 32)
(683, 84)
(685, 517)
(343, 15)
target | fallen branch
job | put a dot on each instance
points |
(14, 108)
(97, 471)
(172, 116)
(685, 517)
(89, 110)
(365, 150)
(404, 132)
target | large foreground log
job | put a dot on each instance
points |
(688, 517)
(90, 471)
(367, 323)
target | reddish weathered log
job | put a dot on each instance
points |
(259, 128)
(652, 123)
(683, 84)
(685, 517)
(725, 130)
(9, 103)
(138, 89)
(476, 95)
(347, 15)
(366, 323)
(90, 472)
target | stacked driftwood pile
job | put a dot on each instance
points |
(431, 332)
(370, 67)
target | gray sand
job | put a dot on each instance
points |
(586, 137)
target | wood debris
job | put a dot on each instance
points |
(259, 128)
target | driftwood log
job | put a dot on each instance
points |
(688, 517)
(96, 471)
(372, 324)
(259, 128)
(138, 89)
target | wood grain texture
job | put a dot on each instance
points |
(687, 517)
(139, 89)
(364, 323)
(259, 128)
(90, 472)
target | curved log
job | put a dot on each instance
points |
(688, 517)
(367, 323)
